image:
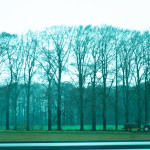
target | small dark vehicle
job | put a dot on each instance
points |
(146, 127)
(129, 126)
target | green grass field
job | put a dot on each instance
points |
(39, 133)
(7, 136)
(77, 127)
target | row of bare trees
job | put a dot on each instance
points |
(85, 56)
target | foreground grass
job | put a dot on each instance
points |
(7, 136)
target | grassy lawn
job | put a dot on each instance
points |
(6, 136)
(65, 127)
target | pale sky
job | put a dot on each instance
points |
(18, 16)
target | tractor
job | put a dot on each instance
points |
(129, 126)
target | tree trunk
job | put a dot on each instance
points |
(125, 99)
(93, 102)
(49, 107)
(116, 103)
(124, 95)
(138, 98)
(15, 108)
(7, 103)
(7, 107)
(15, 117)
(81, 101)
(127, 95)
(104, 104)
(28, 103)
(146, 99)
(59, 94)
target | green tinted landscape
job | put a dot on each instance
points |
(13, 136)
(70, 133)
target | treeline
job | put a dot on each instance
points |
(74, 76)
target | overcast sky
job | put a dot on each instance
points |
(18, 16)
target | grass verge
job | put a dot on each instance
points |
(13, 136)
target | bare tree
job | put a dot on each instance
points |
(30, 55)
(117, 34)
(126, 58)
(116, 102)
(94, 68)
(146, 67)
(81, 50)
(48, 64)
(136, 45)
(61, 43)
(4, 44)
(10, 50)
(107, 55)
(18, 61)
